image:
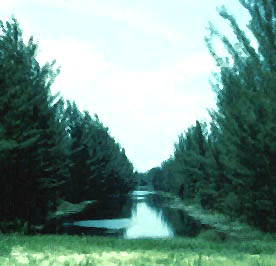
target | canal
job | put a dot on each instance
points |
(140, 214)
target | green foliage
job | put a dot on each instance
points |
(185, 173)
(246, 116)
(48, 150)
(232, 168)
(98, 165)
(212, 235)
(17, 226)
(27, 128)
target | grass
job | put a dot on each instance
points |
(66, 208)
(230, 227)
(16, 249)
(229, 243)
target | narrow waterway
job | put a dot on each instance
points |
(141, 214)
(146, 221)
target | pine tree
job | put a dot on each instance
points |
(246, 114)
(28, 127)
(98, 166)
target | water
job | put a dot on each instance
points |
(141, 214)
(146, 222)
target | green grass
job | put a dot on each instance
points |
(204, 250)
(229, 243)
(235, 228)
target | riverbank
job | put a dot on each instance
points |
(67, 250)
(222, 225)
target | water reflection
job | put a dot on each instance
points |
(146, 222)
(138, 215)
(179, 220)
(107, 223)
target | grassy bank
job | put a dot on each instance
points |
(230, 227)
(83, 250)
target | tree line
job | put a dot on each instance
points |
(49, 149)
(230, 164)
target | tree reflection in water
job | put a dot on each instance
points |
(140, 214)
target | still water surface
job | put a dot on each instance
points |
(138, 215)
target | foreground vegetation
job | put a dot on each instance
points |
(18, 249)
(229, 242)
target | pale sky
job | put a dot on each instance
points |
(142, 66)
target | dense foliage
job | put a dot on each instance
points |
(232, 166)
(48, 149)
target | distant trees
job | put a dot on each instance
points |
(48, 149)
(153, 176)
(98, 165)
(233, 166)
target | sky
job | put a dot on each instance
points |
(141, 66)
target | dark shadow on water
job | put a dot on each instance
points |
(138, 215)
(181, 223)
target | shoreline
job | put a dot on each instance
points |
(221, 223)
